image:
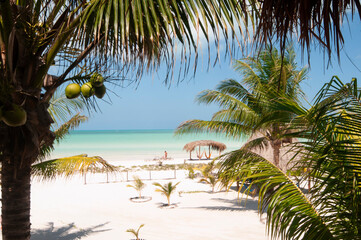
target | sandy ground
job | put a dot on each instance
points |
(70, 209)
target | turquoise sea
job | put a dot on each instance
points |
(128, 145)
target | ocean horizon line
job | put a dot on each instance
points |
(121, 130)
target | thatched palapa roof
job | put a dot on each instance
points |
(189, 147)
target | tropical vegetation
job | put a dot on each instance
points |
(211, 180)
(166, 189)
(111, 38)
(135, 232)
(208, 176)
(330, 149)
(116, 37)
(62, 111)
(138, 185)
(245, 105)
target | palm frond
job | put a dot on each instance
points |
(141, 34)
(61, 108)
(61, 132)
(229, 129)
(279, 20)
(70, 166)
(333, 155)
(290, 214)
(244, 116)
(166, 189)
(258, 143)
(71, 124)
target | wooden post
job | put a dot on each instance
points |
(150, 175)
(107, 178)
(209, 151)
(200, 156)
(127, 176)
(190, 155)
(84, 178)
(175, 174)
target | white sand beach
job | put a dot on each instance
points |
(69, 209)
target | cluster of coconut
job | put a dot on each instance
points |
(13, 115)
(94, 87)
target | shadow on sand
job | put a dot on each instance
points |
(234, 205)
(166, 206)
(66, 232)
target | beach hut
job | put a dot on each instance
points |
(190, 147)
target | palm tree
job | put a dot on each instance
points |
(211, 180)
(166, 189)
(139, 185)
(331, 150)
(60, 109)
(245, 106)
(81, 37)
(135, 232)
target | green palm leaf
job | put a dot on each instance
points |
(70, 166)
(332, 153)
(330, 147)
(166, 189)
(135, 232)
(138, 185)
(290, 214)
(229, 129)
(61, 132)
(61, 107)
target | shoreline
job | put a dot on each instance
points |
(141, 162)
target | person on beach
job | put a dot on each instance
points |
(165, 155)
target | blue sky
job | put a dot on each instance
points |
(152, 105)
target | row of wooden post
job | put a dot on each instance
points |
(150, 176)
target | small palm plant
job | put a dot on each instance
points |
(208, 169)
(135, 232)
(167, 189)
(211, 180)
(191, 173)
(208, 176)
(138, 185)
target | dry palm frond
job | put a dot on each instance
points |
(319, 21)
(70, 166)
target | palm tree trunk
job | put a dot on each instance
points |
(276, 152)
(20, 147)
(15, 188)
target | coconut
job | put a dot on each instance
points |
(97, 80)
(87, 90)
(14, 116)
(100, 91)
(72, 90)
